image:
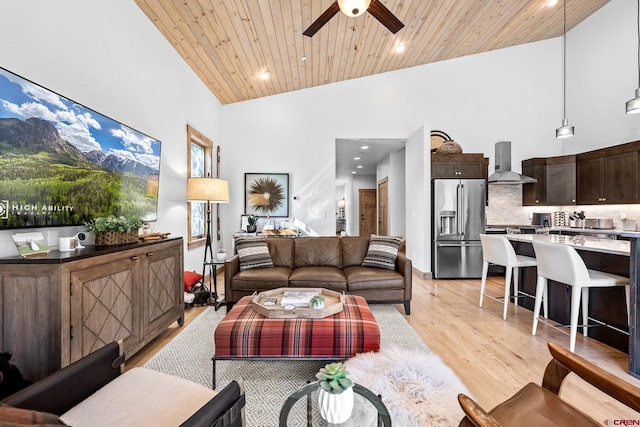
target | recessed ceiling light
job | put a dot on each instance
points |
(303, 58)
(353, 172)
(401, 47)
(551, 3)
(356, 158)
(265, 75)
(365, 147)
(359, 166)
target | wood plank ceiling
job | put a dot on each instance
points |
(229, 43)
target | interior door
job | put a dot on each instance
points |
(383, 207)
(367, 211)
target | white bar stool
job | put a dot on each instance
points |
(497, 250)
(563, 264)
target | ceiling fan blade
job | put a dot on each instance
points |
(384, 15)
(323, 19)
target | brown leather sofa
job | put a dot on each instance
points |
(321, 262)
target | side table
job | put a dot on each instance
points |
(310, 391)
(213, 274)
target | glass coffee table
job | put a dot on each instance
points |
(368, 409)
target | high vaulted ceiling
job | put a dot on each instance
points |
(229, 43)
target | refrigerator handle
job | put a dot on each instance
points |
(463, 213)
(458, 210)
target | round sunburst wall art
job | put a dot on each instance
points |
(266, 195)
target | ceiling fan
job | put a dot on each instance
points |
(356, 8)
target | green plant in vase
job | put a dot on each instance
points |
(115, 230)
(252, 220)
(335, 394)
(317, 302)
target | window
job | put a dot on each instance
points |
(199, 152)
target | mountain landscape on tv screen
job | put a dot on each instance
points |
(41, 171)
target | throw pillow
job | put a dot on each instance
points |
(253, 253)
(382, 252)
(191, 278)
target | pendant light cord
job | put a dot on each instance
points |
(564, 59)
(638, 25)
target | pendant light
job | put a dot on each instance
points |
(564, 131)
(633, 105)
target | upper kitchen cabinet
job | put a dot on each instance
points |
(561, 180)
(458, 166)
(608, 176)
(556, 184)
(534, 194)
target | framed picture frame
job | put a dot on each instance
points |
(266, 194)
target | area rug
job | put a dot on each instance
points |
(268, 383)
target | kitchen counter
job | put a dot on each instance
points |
(593, 244)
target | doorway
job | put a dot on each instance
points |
(367, 211)
(383, 207)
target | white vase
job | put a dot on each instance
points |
(222, 256)
(335, 408)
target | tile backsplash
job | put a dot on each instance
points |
(505, 208)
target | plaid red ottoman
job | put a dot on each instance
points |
(246, 334)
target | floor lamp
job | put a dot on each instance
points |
(208, 190)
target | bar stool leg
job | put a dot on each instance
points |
(485, 270)
(585, 311)
(541, 287)
(516, 287)
(575, 308)
(507, 291)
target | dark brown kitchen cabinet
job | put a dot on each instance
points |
(458, 166)
(561, 180)
(608, 176)
(534, 194)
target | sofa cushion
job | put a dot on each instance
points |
(382, 252)
(140, 397)
(281, 251)
(318, 277)
(253, 253)
(262, 279)
(318, 251)
(360, 278)
(354, 249)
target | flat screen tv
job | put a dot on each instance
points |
(63, 164)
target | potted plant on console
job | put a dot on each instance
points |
(114, 230)
(335, 393)
(252, 220)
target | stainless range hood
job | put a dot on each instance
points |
(503, 173)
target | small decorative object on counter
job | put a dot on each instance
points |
(221, 255)
(628, 224)
(335, 394)
(449, 147)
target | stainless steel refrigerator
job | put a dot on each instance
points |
(458, 218)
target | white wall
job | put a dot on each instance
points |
(418, 214)
(108, 56)
(397, 194)
(602, 75)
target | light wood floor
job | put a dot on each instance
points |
(493, 357)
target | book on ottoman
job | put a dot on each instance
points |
(297, 298)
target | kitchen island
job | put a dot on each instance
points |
(607, 307)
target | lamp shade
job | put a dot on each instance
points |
(353, 8)
(207, 190)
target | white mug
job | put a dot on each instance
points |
(66, 244)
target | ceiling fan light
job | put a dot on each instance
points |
(353, 8)
(564, 131)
